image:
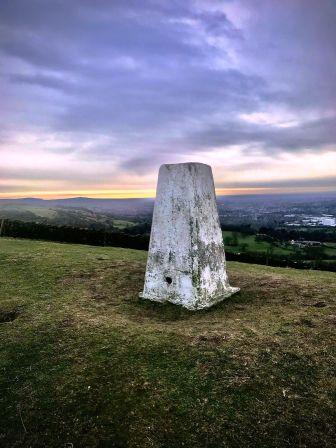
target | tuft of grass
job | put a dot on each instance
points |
(84, 361)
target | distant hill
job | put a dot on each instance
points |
(131, 207)
(143, 206)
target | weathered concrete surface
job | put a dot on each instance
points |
(186, 260)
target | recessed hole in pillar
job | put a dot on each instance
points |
(168, 280)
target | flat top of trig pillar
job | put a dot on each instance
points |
(186, 164)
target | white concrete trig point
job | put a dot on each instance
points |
(186, 259)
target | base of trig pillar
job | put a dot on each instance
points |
(198, 304)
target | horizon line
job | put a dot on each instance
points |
(151, 194)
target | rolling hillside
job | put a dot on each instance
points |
(62, 216)
(85, 363)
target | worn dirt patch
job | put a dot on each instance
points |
(7, 316)
(212, 339)
(331, 319)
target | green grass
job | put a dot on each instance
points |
(122, 224)
(330, 249)
(83, 361)
(253, 245)
(41, 212)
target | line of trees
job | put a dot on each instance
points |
(323, 234)
(67, 234)
(270, 259)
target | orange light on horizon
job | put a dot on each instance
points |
(103, 194)
(150, 193)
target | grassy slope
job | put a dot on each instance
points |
(122, 223)
(41, 212)
(86, 362)
(256, 246)
(262, 246)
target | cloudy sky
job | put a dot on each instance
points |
(96, 94)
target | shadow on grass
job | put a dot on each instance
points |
(168, 312)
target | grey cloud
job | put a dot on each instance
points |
(314, 134)
(140, 74)
(156, 104)
(40, 80)
(329, 182)
(142, 165)
(216, 23)
(66, 176)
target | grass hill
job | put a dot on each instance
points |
(121, 207)
(85, 363)
(63, 216)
